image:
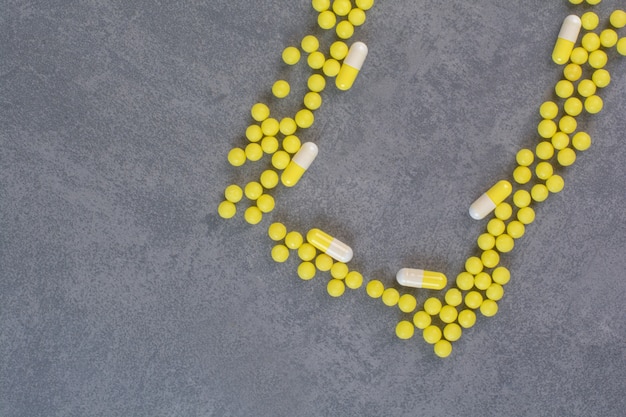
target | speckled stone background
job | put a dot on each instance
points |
(122, 293)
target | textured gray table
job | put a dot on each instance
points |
(123, 294)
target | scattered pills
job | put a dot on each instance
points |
(329, 245)
(351, 66)
(298, 165)
(487, 202)
(419, 278)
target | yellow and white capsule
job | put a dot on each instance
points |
(351, 66)
(329, 245)
(568, 35)
(418, 278)
(298, 165)
(487, 202)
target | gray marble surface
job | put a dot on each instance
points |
(122, 293)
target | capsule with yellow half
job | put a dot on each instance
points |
(298, 165)
(351, 66)
(419, 278)
(487, 202)
(331, 246)
(568, 35)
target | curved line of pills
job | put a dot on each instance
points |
(481, 285)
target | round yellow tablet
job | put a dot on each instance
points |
(544, 150)
(364, 4)
(307, 252)
(323, 262)
(432, 334)
(356, 17)
(618, 19)
(539, 192)
(291, 144)
(590, 41)
(253, 190)
(237, 157)
(339, 270)
(233, 193)
(312, 100)
(390, 297)
(525, 215)
(443, 348)
(253, 215)
(544, 170)
(281, 89)
(254, 133)
(309, 44)
(621, 46)
(269, 179)
(265, 203)
(546, 128)
(374, 288)
(453, 297)
(504, 242)
(489, 308)
(567, 124)
(564, 89)
(495, 227)
(320, 5)
(344, 29)
(448, 314)
(555, 184)
(432, 306)
(280, 253)
(465, 281)
(327, 19)
(572, 72)
(473, 299)
(407, 303)
(260, 112)
(353, 280)
(306, 271)
(452, 332)
(501, 275)
(601, 78)
(331, 67)
(316, 60)
(405, 330)
(338, 50)
(269, 144)
(280, 160)
(598, 59)
(489, 258)
(277, 231)
(521, 198)
(515, 229)
(579, 55)
(482, 281)
(593, 104)
(316, 83)
(473, 265)
(293, 240)
(589, 20)
(495, 292)
(304, 118)
(560, 140)
(573, 107)
(566, 157)
(342, 7)
(522, 174)
(226, 209)
(608, 38)
(291, 55)
(336, 287)
(525, 157)
(581, 141)
(421, 319)
(467, 318)
(486, 241)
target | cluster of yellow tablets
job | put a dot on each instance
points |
(481, 285)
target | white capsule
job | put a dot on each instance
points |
(331, 246)
(298, 165)
(487, 202)
(351, 66)
(419, 278)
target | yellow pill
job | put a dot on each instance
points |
(293, 240)
(589, 20)
(452, 332)
(254, 133)
(608, 38)
(560, 140)
(443, 348)
(280, 253)
(421, 319)
(329, 245)
(486, 241)
(467, 318)
(306, 271)
(331, 67)
(339, 270)
(291, 55)
(253, 215)
(576, 1)
(432, 306)
(432, 334)
(316, 83)
(344, 29)
(546, 128)
(326, 20)
(549, 110)
(448, 314)
(342, 7)
(555, 184)
(598, 59)
(505, 243)
(525, 215)
(269, 179)
(351, 66)
(237, 157)
(539, 192)
(270, 126)
(356, 17)
(390, 297)
(593, 2)
(407, 303)
(567, 37)
(233, 193)
(375, 288)
(579, 55)
(338, 50)
(473, 299)
(501, 275)
(465, 281)
(265, 203)
(260, 112)
(515, 229)
(482, 281)
(453, 297)
(304, 118)
(309, 44)
(405, 330)
(277, 231)
(336, 287)
(226, 209)
(490, 258)
(581, 141)
(503, 211)
(298, 165)
(254, 151)
(281, 89)
(473, 265)
(312, 100)
(572, 106)
(593, 104)
(572, 72)
(291, 144)
(307, 252)
(269, 144)
(544, 170)
(544, 150)
(323, 262)
(316, 60)
(618, 19)
(364, 4)
(495, 227)
(525, 157)
(320, 5)
(280, 160)
(522, 175)
(253, 190)
(487, 202)
(621, 46)
(521, 198)
(566, 157)
(590, 42)
(495, 292)
(419, 278)
(567, 124)
(601, 78)
(489, 308)
(564, 88)
(353, 280)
